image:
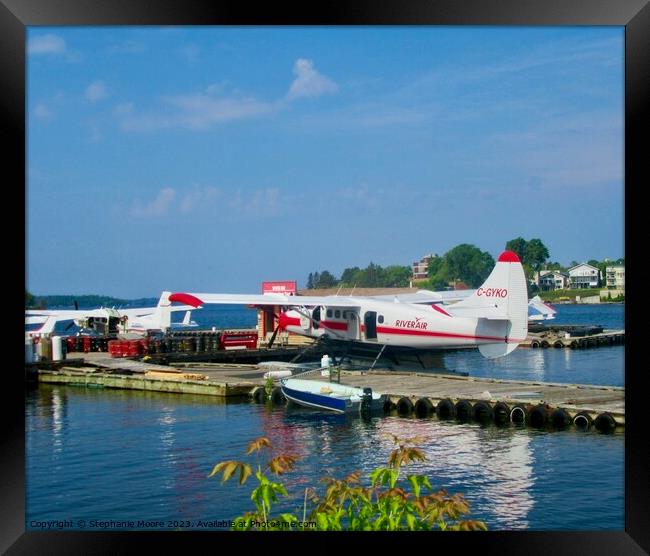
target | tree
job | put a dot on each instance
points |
(536, 254)
(310, 282)
(434, 266)
(518, 245)
(350, 276)
(326, 280)
(397, 276)
(466, 263)
(30, 300)
(373, 276)
(531, 253)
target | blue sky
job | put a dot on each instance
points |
(213, 158)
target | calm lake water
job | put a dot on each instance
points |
(109, 457)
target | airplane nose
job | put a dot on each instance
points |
(283, 320)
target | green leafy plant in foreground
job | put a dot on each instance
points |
(392, 502)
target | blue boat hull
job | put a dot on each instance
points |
(319, 401)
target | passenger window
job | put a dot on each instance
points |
(380, 319)
(329, 313)
(337, 314)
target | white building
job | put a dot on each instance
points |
(421, 267)
(584, 276)
(615, 277)
(553, 280)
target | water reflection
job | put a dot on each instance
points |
(495, 462)
(492, 466)
(160, 456)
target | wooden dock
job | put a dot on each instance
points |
(448, 396)
(559, 339)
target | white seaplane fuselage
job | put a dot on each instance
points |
(395, 324)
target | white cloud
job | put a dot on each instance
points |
(197, 112)
(158, 206)
(308, 82)
(42, 112)
(199, 197)
(96, 91)
(46, 44)
(217, 105)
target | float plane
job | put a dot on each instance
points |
(138, 321)
(493, 318)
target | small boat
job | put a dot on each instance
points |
(331, 396)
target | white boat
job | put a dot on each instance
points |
(331, 396)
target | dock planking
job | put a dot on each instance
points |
(224, 380)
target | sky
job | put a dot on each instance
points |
(210, 159)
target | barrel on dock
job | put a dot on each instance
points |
(560, 419)
(405, 406)
(259, 394)
(605, 422)
(519, 413)
(424, 407)
(538, 415)
(277, 396)
(583, 420)
(482, 412)
(445, 409)
(501, 413)
(463, 410)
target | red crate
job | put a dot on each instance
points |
(115, 348)
(238, 340)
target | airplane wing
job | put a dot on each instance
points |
(426, 296)
(271, 300)
(62, 315)
(146, 311)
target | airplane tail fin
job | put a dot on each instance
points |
(501, 304)
(163, 314)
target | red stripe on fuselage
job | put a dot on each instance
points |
(411, 332)
(334, 325)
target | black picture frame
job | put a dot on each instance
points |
(16, 15)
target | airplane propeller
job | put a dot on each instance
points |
(276, 330)
(275, 333)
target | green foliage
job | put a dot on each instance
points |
(391, 502)
(325, 279)
(518, 245)
(349, 276)
(88, 301)
(373, 276)
(396, 276)
(268, 387)
(465, 263)
(533, 253)
(30, 300)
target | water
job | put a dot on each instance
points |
(99, 454)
